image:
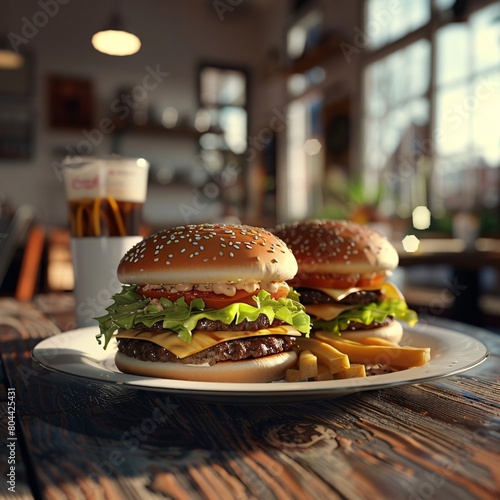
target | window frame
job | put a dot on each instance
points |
(427, 32)
(225, 67)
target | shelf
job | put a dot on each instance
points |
(153, 130)
(157, 128)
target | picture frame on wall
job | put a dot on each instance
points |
(17, 115)
(70, 103)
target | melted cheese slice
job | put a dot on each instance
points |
(326, 312)
(389, 289)
(200, 340)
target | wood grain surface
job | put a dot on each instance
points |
(81, 439)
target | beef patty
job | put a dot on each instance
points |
(355, 326)
(208, 325)
(362, 297)
(230, 350)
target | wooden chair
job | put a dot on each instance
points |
(31, 264)
(22, 244)
(14, 232)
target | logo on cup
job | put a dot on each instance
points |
(79, 184)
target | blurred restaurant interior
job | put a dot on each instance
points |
(385, 112)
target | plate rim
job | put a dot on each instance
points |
(282, 390)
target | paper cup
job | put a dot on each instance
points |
(95, 261)
(105, 195)
(105, 198)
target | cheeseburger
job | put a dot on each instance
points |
(343, 268)
(206, 302)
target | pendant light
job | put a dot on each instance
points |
(9, 58)
(115, 40)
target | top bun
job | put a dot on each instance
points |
(337, 246)
(207, 253)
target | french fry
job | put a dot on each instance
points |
(292, 375)
(326, 354)
(308, 365)
(354, 371)
(400, 357)
(324, 373)
(377, 341)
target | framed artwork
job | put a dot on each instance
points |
(17, 116)
(70, 103)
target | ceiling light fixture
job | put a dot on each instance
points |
(114, 40)
(9, 58)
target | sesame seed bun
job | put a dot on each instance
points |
(337, 246)
(207, 253)
(265, 369)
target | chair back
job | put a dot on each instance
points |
(13, 235)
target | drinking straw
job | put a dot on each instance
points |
(118, 217)
(94, 217)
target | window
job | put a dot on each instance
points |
(396, 115)
(467, 112)
(431, 111)
(305, 34)
(222, 121)
(304, 163)
(223, 101)
(387, 20)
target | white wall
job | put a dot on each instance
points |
(176, 36)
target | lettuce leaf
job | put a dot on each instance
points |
(367, 314)
(130, 308)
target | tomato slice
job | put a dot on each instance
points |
(212, 300)
(376, 280)
(339, 281)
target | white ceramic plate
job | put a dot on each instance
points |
(77, 353)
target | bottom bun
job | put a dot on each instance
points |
(393, 332)
(265, 369)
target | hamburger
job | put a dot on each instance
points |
(206, 302)
(342, 279)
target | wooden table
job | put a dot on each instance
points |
(452, 252)
(467, 263)
(81, 439)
